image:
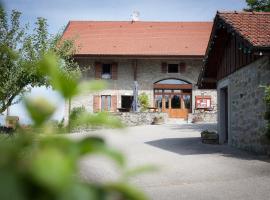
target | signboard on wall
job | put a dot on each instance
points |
(203, 102)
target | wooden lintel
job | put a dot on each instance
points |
(172, 86)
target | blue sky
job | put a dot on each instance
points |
(59, 12)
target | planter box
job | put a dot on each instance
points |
(209, 137)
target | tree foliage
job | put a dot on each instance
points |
(258, 5)
(21, 50)
(143, 101)
(37, 163)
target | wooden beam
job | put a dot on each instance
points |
(173, 86)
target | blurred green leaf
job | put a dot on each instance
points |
(97, 145)
(61, 80)
(65, 145)
(92, 86)
(78, 191)
(39, 109)
(10, 185)
(52, 169)
(101, 119)
(126, 191)
(139, 170)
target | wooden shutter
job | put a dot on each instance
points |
(114, 103)
(96, 103)
(114, 71)
(182, 67)
(164, 67)
(98, 70)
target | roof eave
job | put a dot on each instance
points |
(137, 56)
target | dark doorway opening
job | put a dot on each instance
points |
(224, 114)
(126, 102)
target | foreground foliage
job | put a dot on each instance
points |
(37, 163)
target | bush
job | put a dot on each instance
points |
(143, 101)
(75, 114)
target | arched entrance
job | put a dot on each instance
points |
(173, 96)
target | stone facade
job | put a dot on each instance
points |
(148, 72)
(246, 107)
(201, 115)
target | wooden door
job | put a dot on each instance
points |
(176, 105)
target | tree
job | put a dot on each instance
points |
(258, 5)
(21, 50)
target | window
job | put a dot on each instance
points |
(158, 101)
(187, 101)
(167, 99)
(176, 101)
(172, 68)
(106, 71)
(105, 102)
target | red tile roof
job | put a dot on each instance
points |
(253, 26)
(139, 38)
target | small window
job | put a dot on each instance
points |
(106, 71)
(105, 102)
(172, 68)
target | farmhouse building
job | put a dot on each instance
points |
(237, 64)
(165, 58)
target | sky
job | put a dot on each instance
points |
(59, 12)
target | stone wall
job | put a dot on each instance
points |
(139, 118)
(246, 106)
(148, 72)
(200, 115)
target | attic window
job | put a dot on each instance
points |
(172, 68)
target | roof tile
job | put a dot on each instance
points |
(253, 26)
(139, 38)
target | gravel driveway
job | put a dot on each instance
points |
(188, 169)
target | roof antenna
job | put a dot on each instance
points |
(135, 16)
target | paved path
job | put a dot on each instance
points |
(188, 168)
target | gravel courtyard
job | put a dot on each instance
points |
(188, 169)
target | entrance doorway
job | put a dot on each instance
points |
(173, 97)
(126, 102)
(224, 127)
